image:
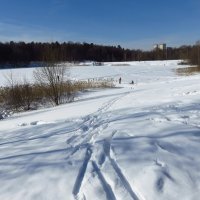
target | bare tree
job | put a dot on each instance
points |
(51, 80)
(51, 77)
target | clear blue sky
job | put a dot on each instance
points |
(129, 23)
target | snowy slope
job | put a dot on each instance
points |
(137, 142)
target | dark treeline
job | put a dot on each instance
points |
(193, 55)
(21, 52)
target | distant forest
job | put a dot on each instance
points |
(16, 53)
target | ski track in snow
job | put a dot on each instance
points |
(118, 171)
(82, 171)
(92, 127)
(107, 188)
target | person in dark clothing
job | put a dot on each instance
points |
(120, 80)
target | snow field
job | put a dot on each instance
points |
(136, 142)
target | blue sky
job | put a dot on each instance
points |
(129, 23)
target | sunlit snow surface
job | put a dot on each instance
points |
(139, 141)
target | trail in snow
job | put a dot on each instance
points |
(108, 190)
(81, 173)
(118, 171)
(93, 126)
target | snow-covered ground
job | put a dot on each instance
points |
(138, 141)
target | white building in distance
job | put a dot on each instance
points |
(160, 46)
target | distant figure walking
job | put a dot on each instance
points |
(120, 80)
(132, 82)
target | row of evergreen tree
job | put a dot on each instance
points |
(21, 52)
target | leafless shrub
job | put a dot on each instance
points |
(49, 87)
(12, 93)
(17, 95)
(85, 85)
(50, 79)
(27, 95)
